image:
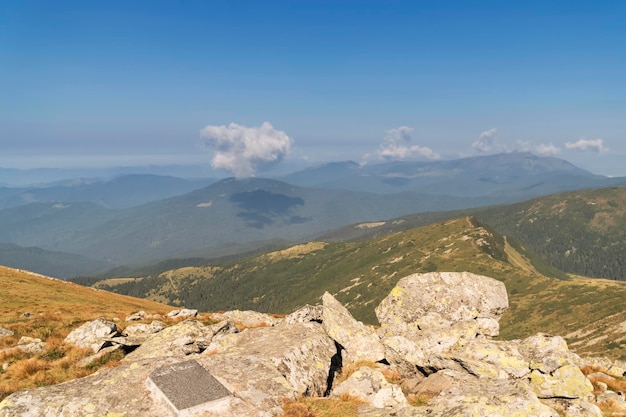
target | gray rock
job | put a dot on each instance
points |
(565, 382)
(555, 373)
(5, 332)
(617, 369)
(182, 314)
(301, 352)
(439, 299)
(370, 385)
(30, 345)
(432, 385)
(118, 391)
(491, 359)
(248, 318)
(140, 315)
(305, 314)
(125, 341)
(424, 348)
(546, 353)
(91, 334)
(141, 329)
(97, 356)
(360, 342)
(487, 397)
(182, 339)
(574, 408)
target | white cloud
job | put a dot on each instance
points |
(593, 145)
(244, 150)
(397, 146)
(546, 150)
(487, 143)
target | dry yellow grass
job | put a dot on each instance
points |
(54, 308)
(345, 406)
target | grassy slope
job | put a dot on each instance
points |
(579, 232)
(361, 273)
(56, 307)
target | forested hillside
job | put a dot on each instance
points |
(361, 273)
(582, 232)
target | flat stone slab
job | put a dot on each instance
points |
(187, 388)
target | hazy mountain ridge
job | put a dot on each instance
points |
(225, 213)
(514, 175)
(57, 264)
(237, 215)
(119, 192)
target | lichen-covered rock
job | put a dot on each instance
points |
(247, 318)
(439, 299)
(486, 397)
(301, 353)
(421, 349)
(184, 338)
(141, 329)
(118, 391)
(617, 369)
(140, 315)
(546, 353)
(91, 334)
(370, 385)
(554, 370)
(305, 314)
(184, 313)
(573, 408)
(433, 384)
(565, 382)
(360, 342)
(491, 359)
(5, 332)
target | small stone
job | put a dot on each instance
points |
(5, 332)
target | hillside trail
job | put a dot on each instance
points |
(517, 259)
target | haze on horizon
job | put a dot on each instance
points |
(247, 86)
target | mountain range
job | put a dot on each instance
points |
(134, 220)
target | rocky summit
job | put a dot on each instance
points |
(433, 355)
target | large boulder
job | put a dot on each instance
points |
(184, 338)
(487, 397)
(360, 342)
(118, 391)
(300, 352)
(440, 299)
(261, 368)
(92, 334)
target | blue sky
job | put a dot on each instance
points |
(135, 82)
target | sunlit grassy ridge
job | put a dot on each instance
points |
(360, 274)
(53, 308)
